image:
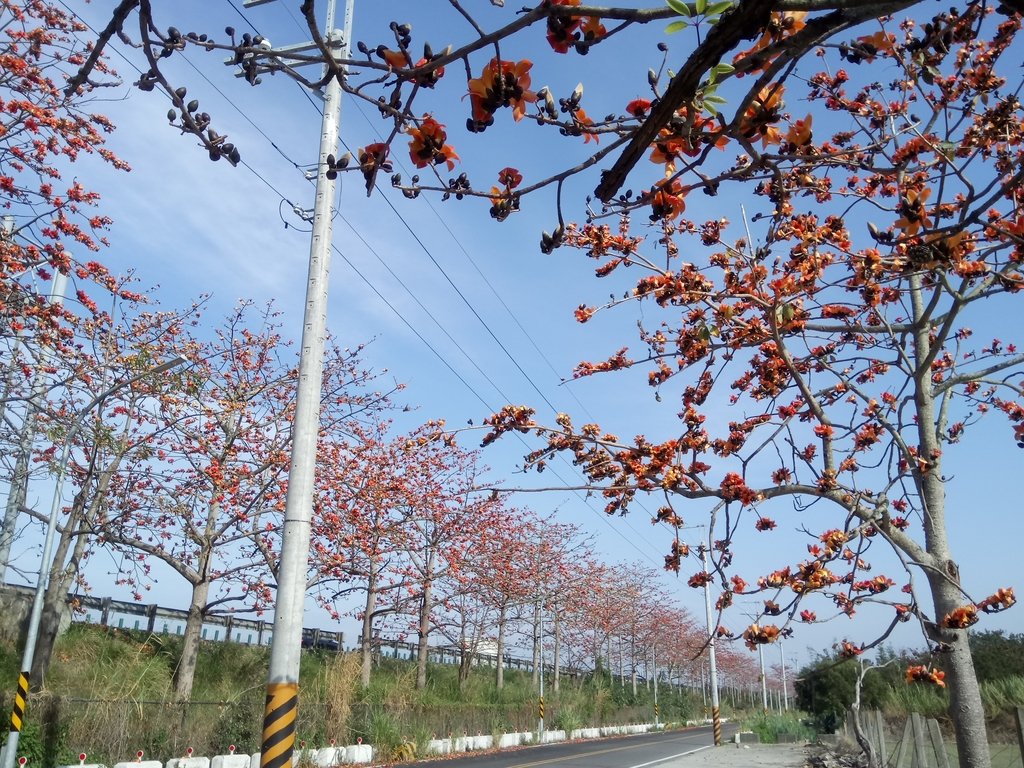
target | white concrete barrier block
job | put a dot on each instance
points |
(140, 764)
(230, 761)
(76, 765)
(188, 762)
(460, 744)
(359, 753)
(549, 737)
(507, 740)
(439, 747)
(254, 760)
(327, 756)
(483, 742)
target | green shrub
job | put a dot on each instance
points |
(827, 688)
(769, 727)
(568, 719)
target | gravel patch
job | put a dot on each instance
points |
(744, 756)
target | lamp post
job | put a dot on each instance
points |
(45, 566)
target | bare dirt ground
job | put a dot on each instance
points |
(747, 755)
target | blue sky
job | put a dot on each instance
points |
(187, 227)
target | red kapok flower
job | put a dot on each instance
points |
(921, 674)
(961, 618)
(700, 579)
(510, 177)
(428, 145)
(667, 200)
(639, 107)
(756, 635)
(502, 84)
(1000, 601)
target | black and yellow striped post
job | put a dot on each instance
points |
(716, 720)
(279, 725)
(657, 712)
(20, 702)
(540, 707)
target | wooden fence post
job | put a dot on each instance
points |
(920, 755)
(879, 721)
(901, 751)
(941, 758)
(1019, 718)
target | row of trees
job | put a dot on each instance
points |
(181, 477)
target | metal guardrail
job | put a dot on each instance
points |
(156, 619)
(227, 627)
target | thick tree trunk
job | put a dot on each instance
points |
(366, 637)
(965, 706)
(466, 656)
(622, 664)
(55, 600)
(632, 662)
(423, 649)
(185, 672)
(499, 672)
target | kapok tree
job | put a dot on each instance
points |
(50, 223)
(839, 319)
(208, 499)
(100, 423)
(445, 520)
(496, 577)
(358, 533)
(502, 575)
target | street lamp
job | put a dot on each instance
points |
(11, 748)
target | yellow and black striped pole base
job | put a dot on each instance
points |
(716, 725)
(279, 725)
(20, 700)
(540, 707)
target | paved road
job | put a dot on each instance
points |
(619, 752)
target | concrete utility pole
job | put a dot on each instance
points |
(10, 750)
(764, 680)
(716, 715)
(785, 689)
(654, 664)
(280, 712)
(540, 654)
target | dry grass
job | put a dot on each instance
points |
(340, 681)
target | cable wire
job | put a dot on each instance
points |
(427, 251)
